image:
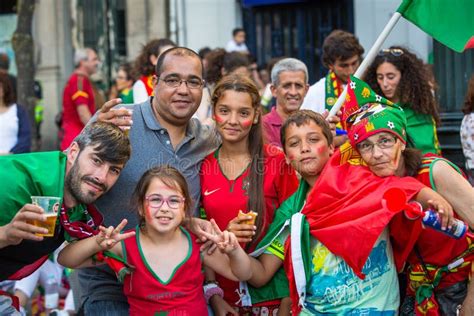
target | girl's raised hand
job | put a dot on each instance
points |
(107, 238)
(225, 240)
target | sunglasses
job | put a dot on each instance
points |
(393, 51)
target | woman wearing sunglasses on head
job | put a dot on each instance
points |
(400, 76)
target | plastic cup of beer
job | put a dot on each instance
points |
(126, 129)
(50, 205)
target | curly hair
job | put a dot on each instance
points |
(414, 87)
(143, 66)
(469, 101)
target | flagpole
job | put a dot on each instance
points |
(368, 59)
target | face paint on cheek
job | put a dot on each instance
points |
(246, 123)
(397, 158)
(148, 214)
(219, 119)
(322, 149)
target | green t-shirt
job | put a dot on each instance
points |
(421, 129)
(23, 176)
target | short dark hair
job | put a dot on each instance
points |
(8, 92)
(171, 177)
(234, 60)
(340, 45)
(176, 51)
(237, 30)
(108, 140)
(302, 117)
(204, 51)
(4, 61)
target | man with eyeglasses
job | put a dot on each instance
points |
(342, 54)
(163, 132)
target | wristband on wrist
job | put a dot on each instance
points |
(211, 289)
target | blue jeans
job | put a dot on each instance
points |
(100, 308)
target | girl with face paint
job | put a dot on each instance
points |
(243, 174)
(164, 259)
(380, 139)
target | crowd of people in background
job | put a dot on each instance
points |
(210, 184)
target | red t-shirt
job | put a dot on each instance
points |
(182, 294)
(271, 124)
(223, 198)
(437, 248)
(78, 90)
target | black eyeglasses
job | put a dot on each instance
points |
(174, 82)
(393, 51)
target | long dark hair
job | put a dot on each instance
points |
(469, 101)
(414, 87)
(256, 200)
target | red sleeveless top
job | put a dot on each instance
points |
(181, 295)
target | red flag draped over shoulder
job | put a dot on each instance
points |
(344, 211)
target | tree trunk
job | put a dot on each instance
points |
(22, 42)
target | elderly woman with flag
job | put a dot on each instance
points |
(439, 266)
(333, 234)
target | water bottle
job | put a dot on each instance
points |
(433, 220)
(51, 293)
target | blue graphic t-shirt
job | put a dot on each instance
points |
(335, 289)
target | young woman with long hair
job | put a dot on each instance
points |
(242, 174)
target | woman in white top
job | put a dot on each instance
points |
(467, 130)
(15, 129)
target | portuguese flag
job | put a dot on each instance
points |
(450, 22)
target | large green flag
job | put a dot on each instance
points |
(450, 22)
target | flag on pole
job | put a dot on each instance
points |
(448, 21)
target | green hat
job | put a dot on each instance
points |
(366, 113)
(374, 118)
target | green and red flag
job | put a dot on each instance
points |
(450, 22)
(359, 94)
